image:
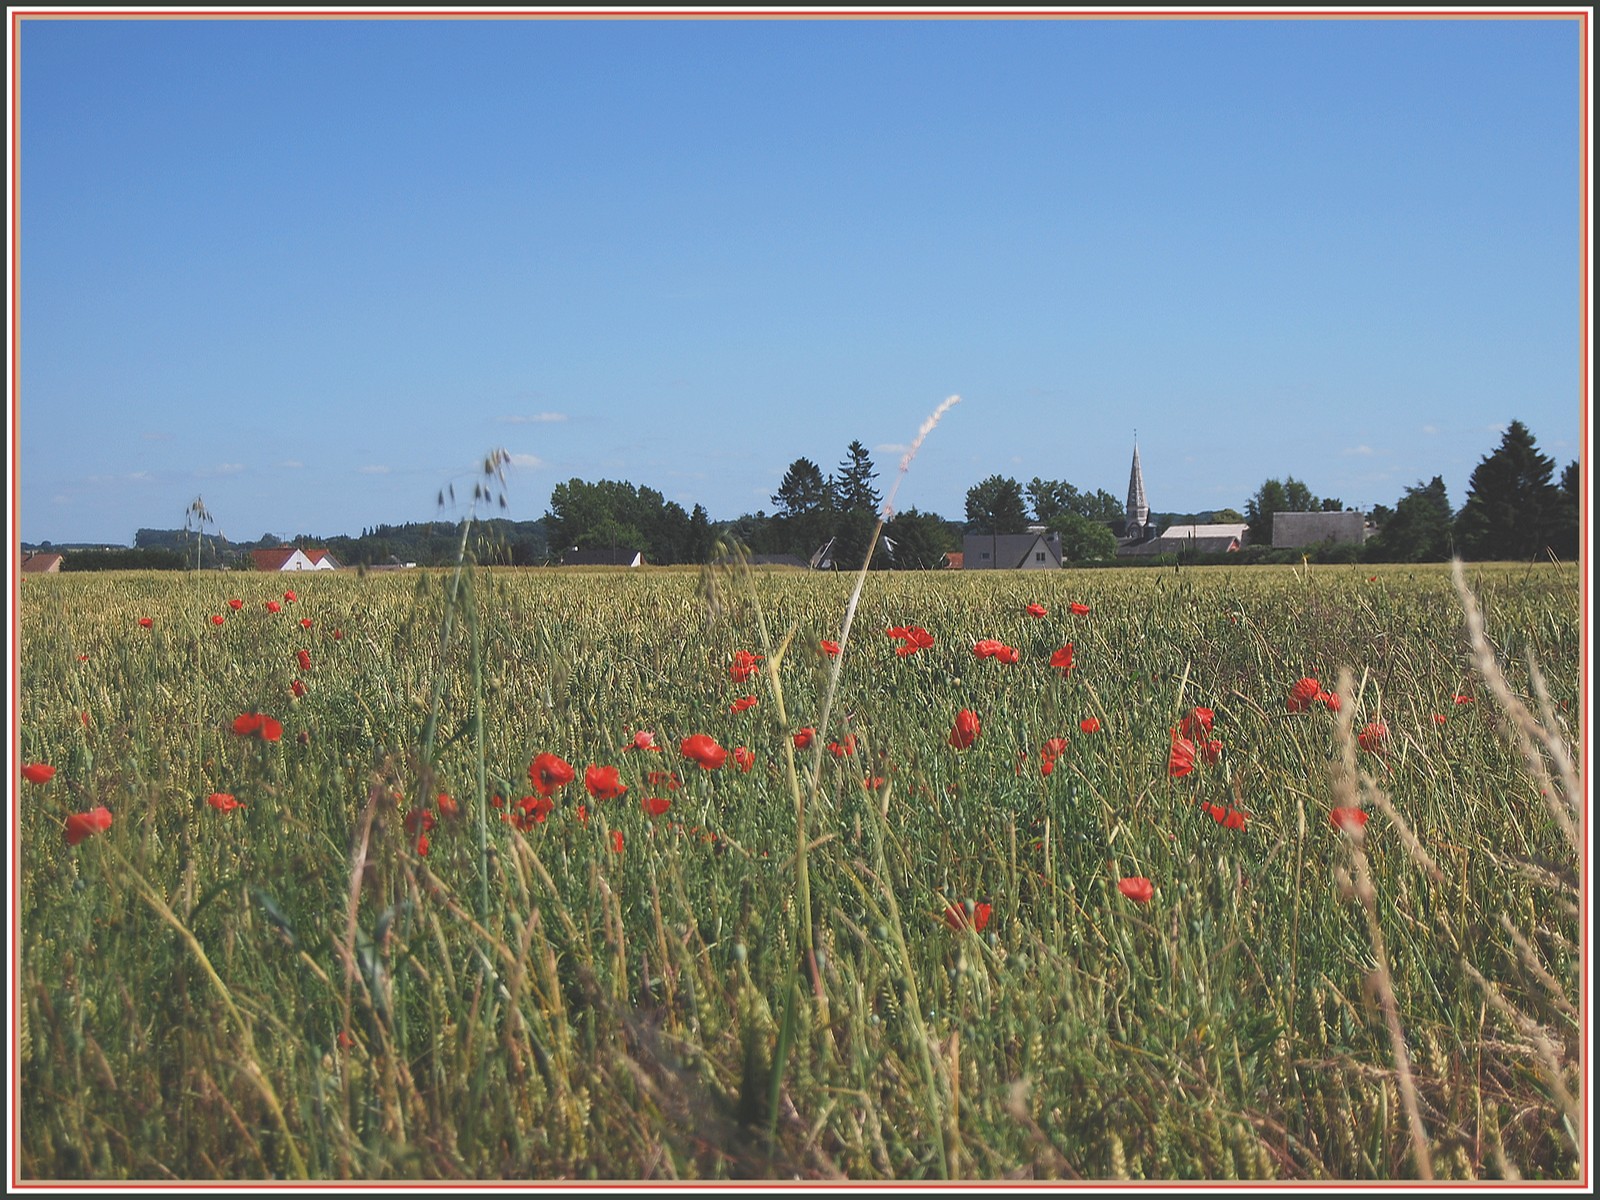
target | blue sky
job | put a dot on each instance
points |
(313, 270)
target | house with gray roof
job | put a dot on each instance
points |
(1036, 550)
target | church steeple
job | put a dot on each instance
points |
(1138, 505)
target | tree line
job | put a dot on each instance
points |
(1516, 508)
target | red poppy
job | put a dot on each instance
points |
(223, 801)
(1079, 609)
(273, 606)
(602, 783)
(548, 772)
(666, 779)
(424, 845)
(966, 729)
(38, 772)
(643, 740)
(1348, 820)
(1180, 759)
(1090, 724)
(1372, 579)
(87, 824)
(1210, 751)
(742, 703)
(303, 657)
(912, 638)
(744, 757)
(1047, 765)
(872, 782)
(582, 813)
(305, 622)
(298, 687)
(1330, 700)
(1036, 610)
(704, 750)
(1062, 658)
(802, 737)
(1462, 699)
(217, 618)
(1374, 737)
(258, 723)
(1228, 818)
(956, 916)
(1440, 718)
(656, 805)
(843, 749)
(744, 666)
(831, 649)
(289, 596)
(447, 805)
(616, 841)
(338, 635)
(236, 605)
(146, 622)
(83, 658)
(1302, 694)
(1197, 722)
(418, 820)
(1136, 888)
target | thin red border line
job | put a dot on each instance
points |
(1580, 15)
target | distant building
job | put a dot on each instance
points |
(1291, 530)
(603, 558)
(41, 564)
(289, 558)
(953, 560)
(1036, 550)
(1136, 527)
(1191, 539)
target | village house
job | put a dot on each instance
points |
(1036, 550)
(290, 558)
(1292, 530)
(603, 558)
(39, 563)
(1188, 540)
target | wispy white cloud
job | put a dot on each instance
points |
(1430, 429)
(543, 418)
(1362, 451)
(374, 470)
(530, 461)
(220, 469)
(891, 448)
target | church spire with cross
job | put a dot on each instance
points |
(1138, 510)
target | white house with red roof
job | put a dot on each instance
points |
(291, 558)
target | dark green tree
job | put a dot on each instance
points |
(804, 520)
(1275, 496)
(1050, 498)
(1564, 535)
(1083, 540)
(1418, 529)
(855, 503)
(919, 540)
(995, 506)
(1512, 508)
(698, 547)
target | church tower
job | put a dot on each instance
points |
(1138, 505)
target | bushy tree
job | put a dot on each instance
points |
(1275, 496)
(995, 506)
(1512, 509)
(919, 540)
(1084, 540)
(1419, 527)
